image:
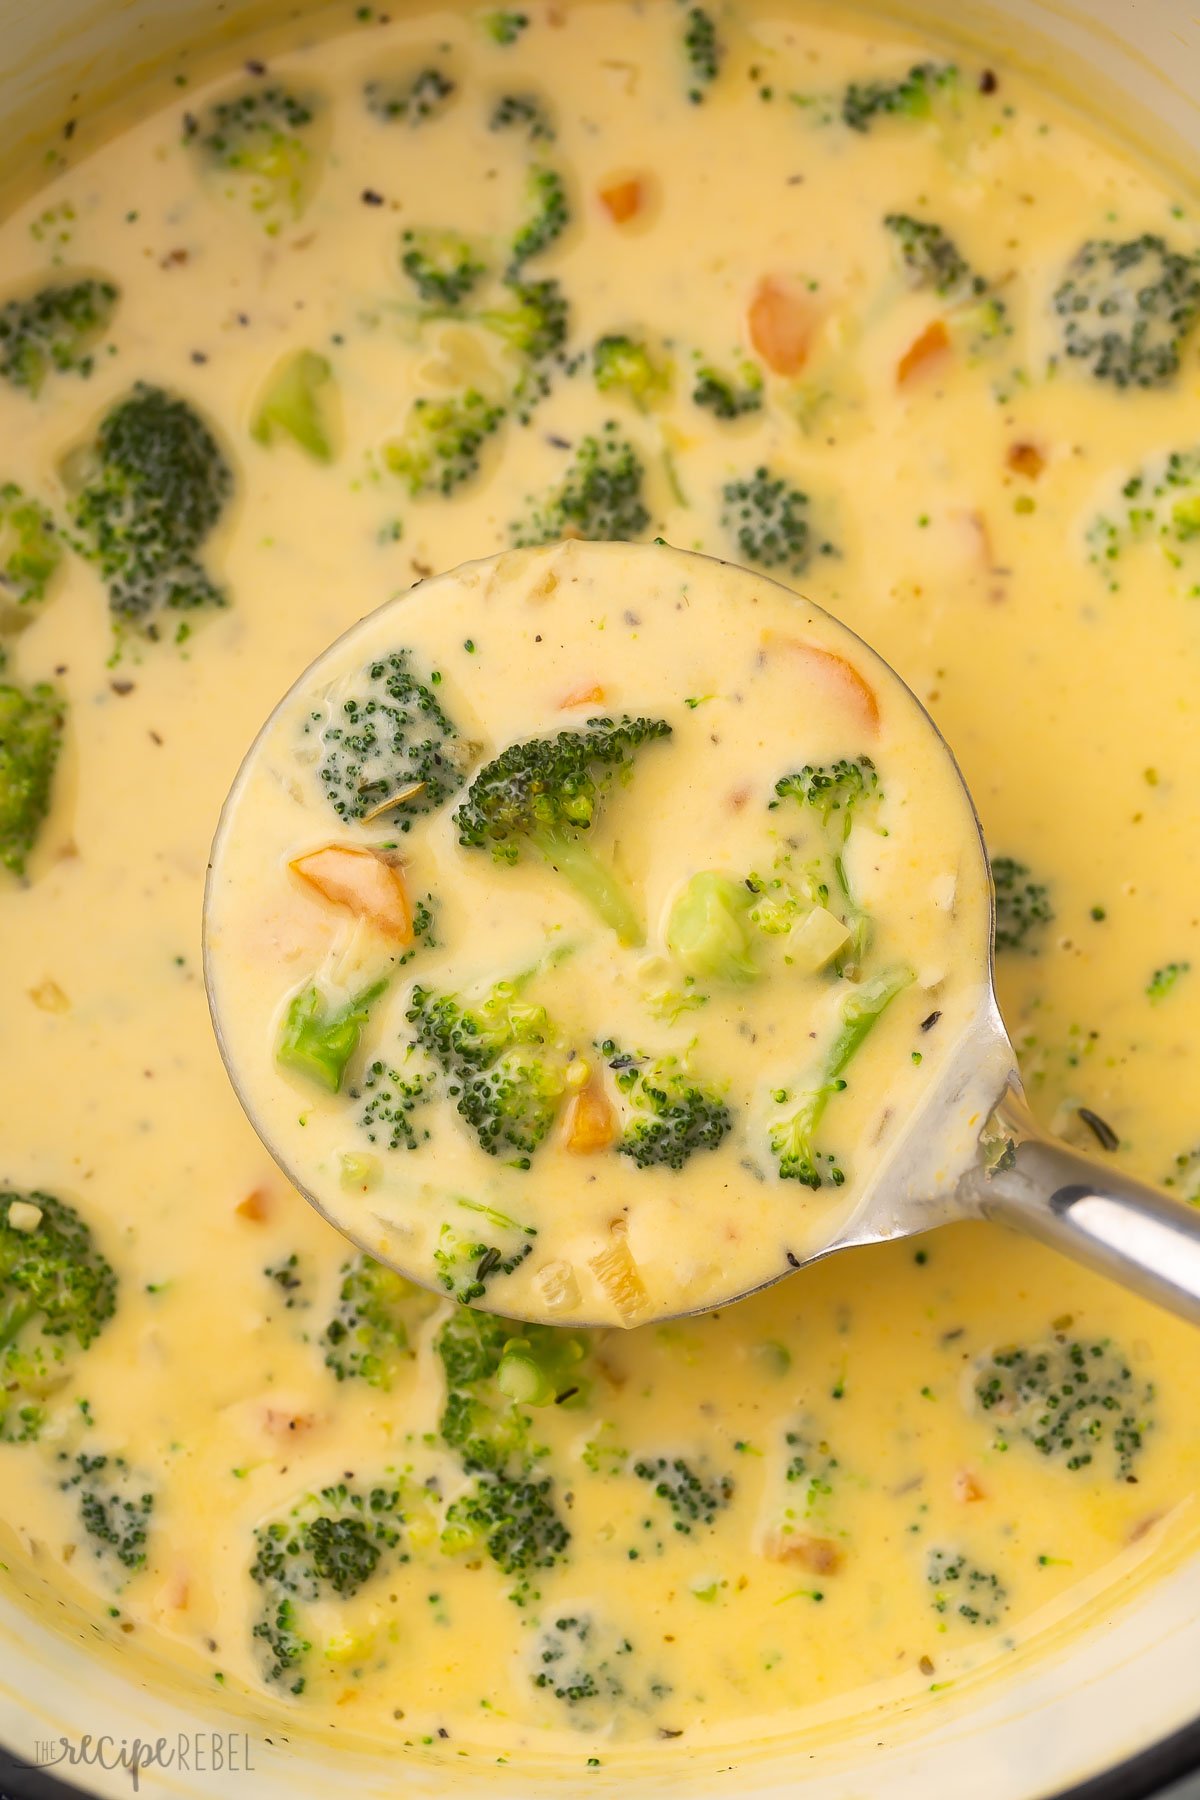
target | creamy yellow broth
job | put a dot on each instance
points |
(923, 1532)
(627, 1150)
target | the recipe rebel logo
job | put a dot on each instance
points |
(220, 1753)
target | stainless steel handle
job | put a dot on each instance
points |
(1087, 1210)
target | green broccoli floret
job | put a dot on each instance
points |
(1127, 309)
(31, 731)
(260, 138)
(289, 1279)
(389, 743)
(673, 1113)
(548, 216)
(56, 1294)
(535, 320)
(1163, 508)
(495, 1366)
(620, 363)
(296, 402)
(327, 1547)
(465, 1265)
(442, 441)
(317, 1040)
(114, 1508)
(848, 789)
(693, 1499)
(443, 267)
(708, 929)
(367, 1337)
(766, 518)
(702, 50)
(794, 1138)
(417, 100)
(930, 259)
(864, 103)
(976, 1595)
(573, 1662)
(543, 795)
(599, 499)
(517, 1523)
(57, 328)
(504, 1061)
(729, 396)
(1165, 978)
(146, 495)
(1022, 905)
(1073, 1401)
(504, 27)
(30, 549)
(392, 1099)
(524, 113)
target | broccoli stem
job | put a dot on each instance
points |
(14, 1322)
(319, 1044)
(593, 881)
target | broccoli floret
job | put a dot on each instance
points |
(847, 788)
(517, 1523)
(620, 363)
(328, 1546)
(504, 27)
(547, 216)
(708, 929)
(114, 1508)
(1127, 308)
(423, 97)
(1075, 1402)
(443, 267)
(1163, 508)
(470, 1345)
(599, 499)
(296, 402)
(766, 518)
(367, 1337)
(289, 1279)
(504, 1061)
(56, 328)
(544, 794)
(703, 51)
(535, 320)
(146, 495)
(576, 1661)
(260, 138)
(524, 113)
(931, 259)
(673, 1113)
(1165, 978)
(976, 1595)
(317, 1040)
(31, 731)
(693, 1499)
(811, 1465)
(56, 1294)
(794, 1138)
(729, 396)
(392, 1099)
(864, 103)
(442, 441)
(465, 1265)
(1022, 905)
(389, 743)
(30, 549)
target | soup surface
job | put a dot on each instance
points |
(400, 292)
(597, 1071)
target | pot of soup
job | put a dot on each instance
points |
(299, 310)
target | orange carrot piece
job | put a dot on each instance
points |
(1025, 459)
(363, 883)
(838, 674)
(783, 321)
(928, 349)
(582, 696)
(623, 200)
(820, 1556)
(589, 1124)
(254, 1206)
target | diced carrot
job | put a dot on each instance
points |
(363, 883)
(1025, 459)
(967, 1488)
(582, 696)
(254, 1206)
(924, 353)
(176, 1590)
(783, 320)
(839, 674)
(820, 1556)
(589, 1123)
(278, 1422)
(623, 200)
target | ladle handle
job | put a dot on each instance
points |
(1120, 1227)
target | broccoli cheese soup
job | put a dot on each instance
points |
(281, 346)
